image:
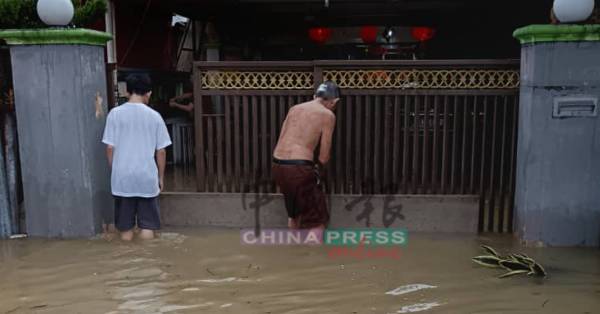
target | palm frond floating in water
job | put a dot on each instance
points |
(514, 272)
(487, 261)
(490, 250)
(515, 263)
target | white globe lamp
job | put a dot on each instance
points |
(55, 12)
(570, 11)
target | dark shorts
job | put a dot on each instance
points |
(304, 197)
(129, 209)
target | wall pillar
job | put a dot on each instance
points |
(59, 84)
(557, 200)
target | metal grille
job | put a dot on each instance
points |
(387, 141)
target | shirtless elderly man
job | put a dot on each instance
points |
(306, 125)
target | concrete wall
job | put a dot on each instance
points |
(558, 161)
(429, 213)
(65, 174)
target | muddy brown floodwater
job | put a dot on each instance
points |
(209, 271)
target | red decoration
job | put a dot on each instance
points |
(320, 35)
(369, 34)
(422, 33)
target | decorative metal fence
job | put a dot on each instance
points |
(403, 127)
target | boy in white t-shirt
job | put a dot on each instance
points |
(136, 137)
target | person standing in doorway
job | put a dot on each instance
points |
(306, 126)
(183, 102)
(136, 137)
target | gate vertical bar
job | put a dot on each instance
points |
(501, 193)
(425, 160)
(396, 138)
(200, 126)
(228, 141)
(482, 188)
(491, 205)
(444, 180)
(435, 161)
(237, 144)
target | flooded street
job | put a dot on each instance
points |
(209, 271)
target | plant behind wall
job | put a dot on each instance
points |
(19, 14)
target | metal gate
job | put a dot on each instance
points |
(403, 127)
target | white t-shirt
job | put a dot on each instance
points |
(136, 132)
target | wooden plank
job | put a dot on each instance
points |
(415, 159)
(359, 144)
(217, 152)
(228, 141)
(387, 144)
(339, 177)
(247, 172)
(454, 148)
(445, 63)
(409, 92)
(257, 92)
(438, 63)
(293, 100)
(396, 137)
(351, 187)
(376, 140)
(200, 131)
(264, 146)
(445, 136)
(253, 65)
(425, 158)
(282, 113)
(473, 146)
(482, 187)
(492, 188)
(275, 102)
(436, 135)
(220, 155)
(211, 154)
(237, 144)
(367, 147)
(405, 148)
(463, 147)
(513, 157)
(501, 174)
(255, 171)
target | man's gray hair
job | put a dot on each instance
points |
(328, 91)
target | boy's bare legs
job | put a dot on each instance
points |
(127, 235)
(146, 234)
(109, 232)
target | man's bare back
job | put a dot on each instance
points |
(305, 125)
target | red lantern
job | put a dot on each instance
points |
(320, 35)
(422, 33)
(368, 34)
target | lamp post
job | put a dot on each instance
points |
(55, 12)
